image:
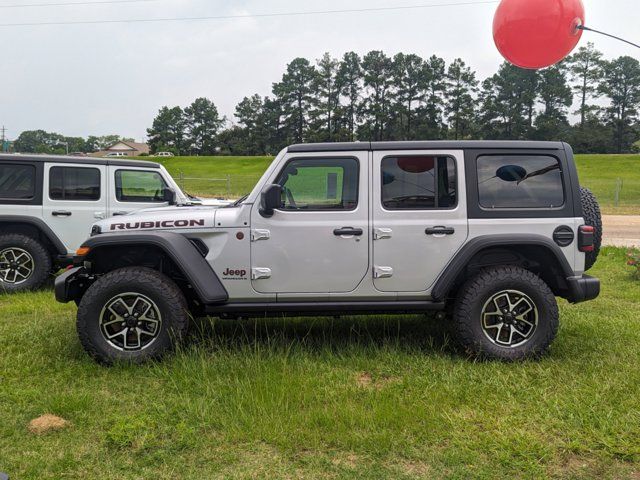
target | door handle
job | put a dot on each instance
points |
(440, 231)
(348, 231)
(60, 213)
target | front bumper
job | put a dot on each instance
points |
(582, 289)
(71, 284)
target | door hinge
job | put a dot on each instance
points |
(260, 273)
(257, 235)
(382, 272)
(382, 233)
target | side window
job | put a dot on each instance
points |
(17, 182)
(74, 183)
(320, 184)
(520, 181)
(139, 186)
(419, 183)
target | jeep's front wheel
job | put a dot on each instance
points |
(506, 313)
(133, 315)
(24, 263)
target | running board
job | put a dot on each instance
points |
(300, 309)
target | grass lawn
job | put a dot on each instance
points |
(379, 397)
(598, 172)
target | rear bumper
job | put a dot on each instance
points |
(582, 289)
(70, 285)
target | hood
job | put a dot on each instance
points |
(165, 218)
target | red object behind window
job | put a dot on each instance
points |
(416, 164)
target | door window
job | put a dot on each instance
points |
(74, 183)
(17, 182)
(520, 181)
(139, 186)
(419, 182)
(316, 184)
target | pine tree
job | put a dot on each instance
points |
(202, 122)
(349, 84)
(327, 99)
(377, 70)
(409, 82)
(461, 89)
(585, 67)
(168, 131)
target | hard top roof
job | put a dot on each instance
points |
(426, 145)
(30, 157)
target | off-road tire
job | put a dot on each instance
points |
(42, 262)
(144, 281)
(473, 295)
(592, 217)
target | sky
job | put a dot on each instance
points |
(81, 80)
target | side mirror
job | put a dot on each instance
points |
(169, 196)
(270, 199)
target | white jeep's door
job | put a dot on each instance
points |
(134, 188)
(74, 198)
(318, 240)
(419, 217)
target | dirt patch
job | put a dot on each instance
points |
(415, 469)
(349, 460)
(47, 423)
(366, 380)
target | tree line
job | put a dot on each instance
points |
(406, 97)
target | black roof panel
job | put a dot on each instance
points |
(426, 145)
(80, 160)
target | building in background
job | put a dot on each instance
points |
(125, 149)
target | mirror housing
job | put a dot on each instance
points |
(270, 199)
(169, 196)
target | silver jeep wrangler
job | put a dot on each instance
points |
(488, 233)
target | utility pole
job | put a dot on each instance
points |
(2, 141)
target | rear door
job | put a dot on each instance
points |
(419, 217)
(75, 198)
(135, 188)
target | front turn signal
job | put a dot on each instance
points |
(83, 251)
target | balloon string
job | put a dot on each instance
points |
(582, 27)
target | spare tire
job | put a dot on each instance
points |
(592, 217)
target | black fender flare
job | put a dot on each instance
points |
(182, 252)
(446, 280)
(39, 224)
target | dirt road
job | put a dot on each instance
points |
(621, 230)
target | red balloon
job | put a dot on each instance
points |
(537, 33)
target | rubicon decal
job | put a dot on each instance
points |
(158, 224)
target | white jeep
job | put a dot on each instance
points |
(489, 233)
(48, 204)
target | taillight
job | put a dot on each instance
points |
(586, 236)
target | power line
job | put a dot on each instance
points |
(69, 4)
(249, 15)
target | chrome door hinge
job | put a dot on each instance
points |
(99, 215)
(382, 233)
(260, 273)
(257, 235)
(382, 272)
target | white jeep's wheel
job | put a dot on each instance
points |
(132, 314)
(24, 263)
(506, 313)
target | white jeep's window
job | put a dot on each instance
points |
(520, 181)
(139, 186)
(74, 183)
(320, 184)
(17, 182)
(419, 182)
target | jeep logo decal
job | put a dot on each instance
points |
(158, 224)
(234, 274)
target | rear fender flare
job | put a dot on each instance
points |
(40, 225)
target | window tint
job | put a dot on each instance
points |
(419, 183)
(320, 184)
(528, 181)
(17, 182)
(74, 183)
(139, 186)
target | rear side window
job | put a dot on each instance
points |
(514, 181)
(17, 182)
(139, 186)
(74, 183)
(419, 183)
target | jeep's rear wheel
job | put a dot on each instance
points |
(506, 313)
(24, 263)
(132, 314)
(592, 217)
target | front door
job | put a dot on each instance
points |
(419, 217)
(74, 198)
(134, 189)
(318, 240)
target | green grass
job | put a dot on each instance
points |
(598, 172)
(378, 397)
